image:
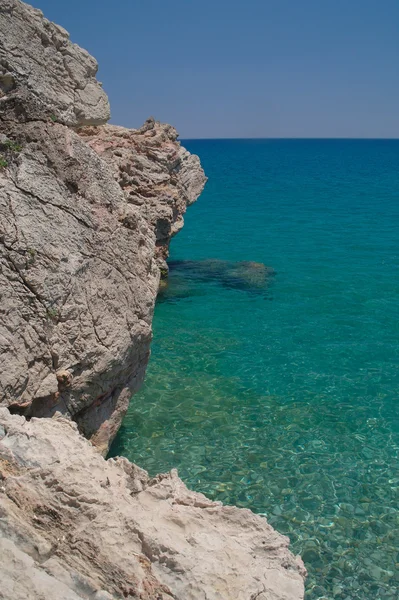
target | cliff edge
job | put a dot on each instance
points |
(82, 239)
(87, 211)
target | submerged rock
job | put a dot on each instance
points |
(246, 275)
(249, 276)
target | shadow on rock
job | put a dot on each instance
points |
(185, 275)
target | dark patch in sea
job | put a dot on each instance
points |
(185, 275)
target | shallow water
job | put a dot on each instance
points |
(281, 395)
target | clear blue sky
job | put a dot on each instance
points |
(244, 68)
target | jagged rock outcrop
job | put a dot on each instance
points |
(81, 238)
(87, 212)
(77, 526)
(43, 75)
(159, 178)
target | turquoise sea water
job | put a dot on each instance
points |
(280, 392)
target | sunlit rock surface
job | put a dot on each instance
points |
(84, 229)
(76, 526)
(87, 212)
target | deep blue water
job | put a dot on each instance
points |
(280, 392)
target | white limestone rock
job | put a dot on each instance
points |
(90, 528)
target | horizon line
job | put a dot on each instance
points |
(289, 138)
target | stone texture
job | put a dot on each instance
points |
(79, 269)
(159, 177)
(85, 222)
(87, 212)
(76, 526)
(42, 74)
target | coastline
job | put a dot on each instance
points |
(88, 211)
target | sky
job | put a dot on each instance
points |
(244, 68)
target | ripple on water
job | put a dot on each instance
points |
(283, 398)
(329, 481)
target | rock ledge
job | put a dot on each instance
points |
(74, 526)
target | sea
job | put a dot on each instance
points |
(274, 377)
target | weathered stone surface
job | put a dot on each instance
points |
(42, 74)
(75, 526)
(79, 273)
(159, 177)
(86, 217)
(79, 240)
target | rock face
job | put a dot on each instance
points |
(46, 75)
(75, 526)
(87, 212)
(81, 238)
(158, 176)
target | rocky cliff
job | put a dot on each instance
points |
(87, 211)
(82, 238)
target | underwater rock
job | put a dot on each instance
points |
(184, 275)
